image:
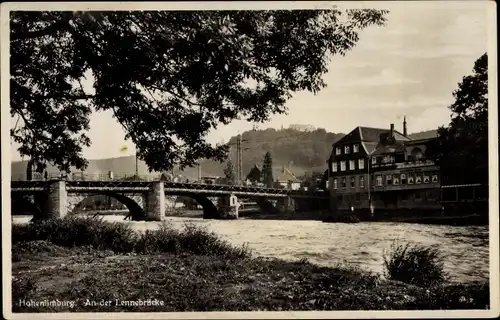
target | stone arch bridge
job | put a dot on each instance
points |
(146, 199)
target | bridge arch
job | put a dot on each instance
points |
(210, 210)
(23, 205)
(136, 211)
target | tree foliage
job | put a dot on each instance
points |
(462, 148)
(229, 174)
(267, 170)
(168, 77)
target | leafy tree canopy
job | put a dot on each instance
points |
(168, 77)
(462, 148)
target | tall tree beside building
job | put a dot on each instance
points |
(229, 174)
(462, 148)
(267, 170)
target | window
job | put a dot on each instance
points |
(361, 163)
(388, 179)
(396, 179)
(344, 182)
(352, 165)
(418, 178)
(379, 180)
(410, 179)
(335, 183)
(355, 148)
(358, 197)
(353, 182)
(338, 151)
(334, 166)
(427, 179)
(434, 178)
(342, 165)
(388, 159)
(403, 178)
(361, 182)
(374, 160)
(347, 149)
(417, 195)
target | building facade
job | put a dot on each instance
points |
(383, 168)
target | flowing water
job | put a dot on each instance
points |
(465, 249)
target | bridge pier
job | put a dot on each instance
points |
(228, 207)
(57, 202)
(286, 205)
(155, 205)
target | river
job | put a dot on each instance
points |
(465, 249)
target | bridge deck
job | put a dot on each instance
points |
(177, 187)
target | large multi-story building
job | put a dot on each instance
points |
(383, 168)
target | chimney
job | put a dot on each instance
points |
(392, 130)
(405, 132)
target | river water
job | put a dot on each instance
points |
(465, 249)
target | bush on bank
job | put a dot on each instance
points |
(415, 264)
(121, 238)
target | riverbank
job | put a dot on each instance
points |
(95, 264)
(102, 281)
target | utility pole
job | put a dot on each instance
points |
(238, 159)
(136, 166)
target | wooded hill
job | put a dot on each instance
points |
(299, 151)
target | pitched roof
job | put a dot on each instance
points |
(368, 134)
(282, 174)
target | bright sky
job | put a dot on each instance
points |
(409, 67)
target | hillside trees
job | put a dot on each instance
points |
(462, 148)
(161, 72)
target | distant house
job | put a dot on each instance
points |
(255, 175)
(286, 179)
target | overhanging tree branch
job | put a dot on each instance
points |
(53, 28)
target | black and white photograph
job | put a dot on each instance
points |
(256, 159)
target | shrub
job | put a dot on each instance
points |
(76, 231)
(121, 238)
(417, 265)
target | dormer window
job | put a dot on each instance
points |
(355, 148)
(347, 149)
(338, 151)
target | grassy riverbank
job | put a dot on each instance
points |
(192, 270)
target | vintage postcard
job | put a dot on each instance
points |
(249, 159)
